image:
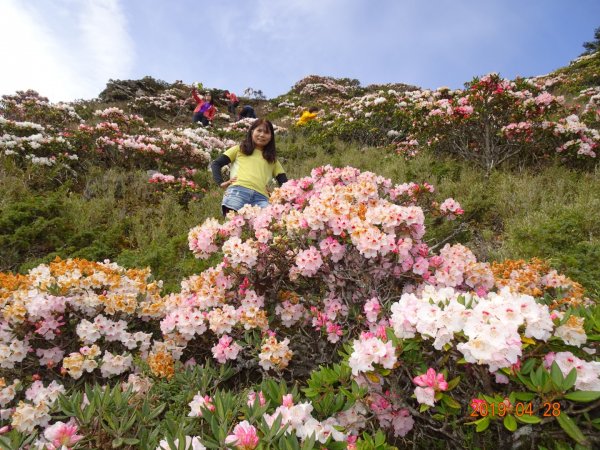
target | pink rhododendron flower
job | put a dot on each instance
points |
(476, 403)
(451, 208)
(431, 379)
(372, 309)
(402, 422)
(198, 402)
(544, 98)
(287, 400)
(309, 261)
(62, 434)
(244, 436)
(351, 441)
(252, 398)
(429, 384)
(334, 332)
(369, 350)
(425, 396)
(226, 349)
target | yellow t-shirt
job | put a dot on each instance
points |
(253, 172)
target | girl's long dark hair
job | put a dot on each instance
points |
(247, 145)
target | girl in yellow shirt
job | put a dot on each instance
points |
(307, 116)
(257, 163)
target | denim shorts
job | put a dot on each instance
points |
(237, 196)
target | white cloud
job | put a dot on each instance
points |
(64, 49)
(32, 58)
(106, 39)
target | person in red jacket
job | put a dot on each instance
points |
(205, 110)
(232, 103)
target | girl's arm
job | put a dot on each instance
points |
(216, 167)
(210, 113)
(281, 178)
(196, 96)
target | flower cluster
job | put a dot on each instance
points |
(127, 140)
(347, 226)
(388, 413)
(191, 443)
(30, 106)
(313, 85)
(170, 101)
(524, 119)
(32, 142)
(71, 317)
(369, 350)
(274, 354)
(588, 373)
(296, 418)
(536, 278)
(491, 324)
(580, 139)
(35, 410)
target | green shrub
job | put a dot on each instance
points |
(32, 227)
(567, 236)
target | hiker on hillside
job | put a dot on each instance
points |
(247, 112)
(307, 116)
(257, 163)
(205, 110)
(232, 103)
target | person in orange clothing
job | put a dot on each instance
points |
(205, 110)
(232, 103)
(307, 116)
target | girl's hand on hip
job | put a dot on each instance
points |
(228, 182)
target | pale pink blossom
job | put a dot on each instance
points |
(226, 349)
(62, 434)
(244, 436)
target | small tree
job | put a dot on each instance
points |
(592, 46)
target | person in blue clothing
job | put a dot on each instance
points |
(247, 112)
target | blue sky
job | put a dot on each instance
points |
(68, 49)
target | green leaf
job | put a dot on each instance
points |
(389, 332)
(117, 442)
(510, 423)
(524, 396)
(571, 428)
(309, 442)
(536, 376)
(528, 366)
(488, 399)
(482, 424)
(526, 418)
(525, 381)
(379, 438)
(129, 423)
(556, 375)
(156, 412)
(570, 379)
(583, 396)
(453, 383)
(449, 401)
